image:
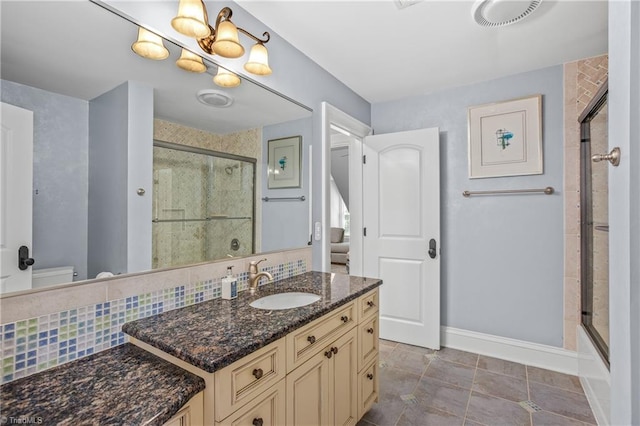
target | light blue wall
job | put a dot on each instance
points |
(120, 162)
(108, 182)
(285, 224)
(60, 149)
(502, 256)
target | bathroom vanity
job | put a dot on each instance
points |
(314, 364)
(224, 362)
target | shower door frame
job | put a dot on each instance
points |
(586, 232)
(209, 152)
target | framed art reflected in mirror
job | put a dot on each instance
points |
(284, 162)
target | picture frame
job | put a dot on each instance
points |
(284, 159)
(505, 138)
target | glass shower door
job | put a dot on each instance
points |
(595, 223)
(203, 205)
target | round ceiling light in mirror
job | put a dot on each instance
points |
(499, 13)
(214, 98)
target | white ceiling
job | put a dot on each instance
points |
(385, 53)
(79, 49)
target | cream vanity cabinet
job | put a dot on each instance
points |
(322, 384)
(324, 373)
(191, 414)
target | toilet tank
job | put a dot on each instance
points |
(51, 276)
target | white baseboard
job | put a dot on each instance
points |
(534, 354)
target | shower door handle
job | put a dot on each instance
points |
(613, 157)
(432, 248)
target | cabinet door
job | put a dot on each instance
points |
(308, 393)
(241, 382)
(367, 341)
(344, 375)
(368, 387)
(266, 409)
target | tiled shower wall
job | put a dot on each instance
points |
(44, 329)
(581, 82)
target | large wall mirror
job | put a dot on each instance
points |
(106, 123)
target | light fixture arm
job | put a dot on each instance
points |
(256, 39)
(225, 14)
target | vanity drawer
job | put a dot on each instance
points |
(243, 380)
(368, 305)
(368, 387)
(267, 409)
(305, 342)
(367, 341)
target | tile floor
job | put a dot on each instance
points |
(450, 387)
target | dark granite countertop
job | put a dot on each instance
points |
(122, 385)
(214, 334)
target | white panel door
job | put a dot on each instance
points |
(401, 182)
(16, 185)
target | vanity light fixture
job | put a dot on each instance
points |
(191, 62)
(222, 39)
(225, 78)
(149, 45)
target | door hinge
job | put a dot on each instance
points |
(364, 159)
(364, 231)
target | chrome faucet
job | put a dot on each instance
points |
(254, 275)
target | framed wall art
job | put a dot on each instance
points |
(284, 162)
(505, 138)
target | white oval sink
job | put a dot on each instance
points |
(284, 301)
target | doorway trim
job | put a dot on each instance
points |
(334, 116)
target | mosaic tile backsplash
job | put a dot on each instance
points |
(36, 344)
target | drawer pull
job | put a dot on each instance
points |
(257, 422)
(328, 353)
(257, 373)
(334, 350)
(344, 319)
(370, 303)
(369, 376)
(311, 339)
(370, 330)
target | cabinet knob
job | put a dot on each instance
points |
(370, 303)
(334, 350)
(369, 376)
(311, 339)
(257, 373)
(328, 354)
(344, 318)
(257, 421)
(370, 330)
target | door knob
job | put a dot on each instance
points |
(432, 248)
(24, 261)
(613, 157)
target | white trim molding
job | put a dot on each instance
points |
(594, 377)
(528, 353)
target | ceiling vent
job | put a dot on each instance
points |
(214, 98)
(499, 13)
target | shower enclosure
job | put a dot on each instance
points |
(203, 205)
(595, 222)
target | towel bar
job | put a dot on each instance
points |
(548, 191)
